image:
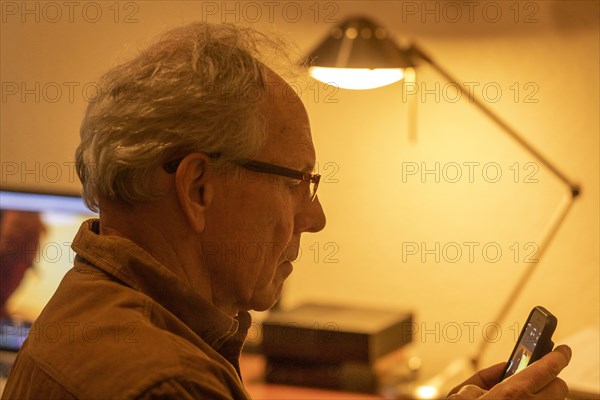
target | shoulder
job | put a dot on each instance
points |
(109, 341)
(142, 362)
(35, 378)
(183, 388)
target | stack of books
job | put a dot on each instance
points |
(334, 347)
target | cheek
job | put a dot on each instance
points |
(267, 241)
(266, 218)
(255, 220)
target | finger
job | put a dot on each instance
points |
(542, 372)
(486, 378)
(467, 392)
(555, 390)
(516, 390)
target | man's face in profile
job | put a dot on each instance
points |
(255, 226)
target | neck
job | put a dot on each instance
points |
(168, 238)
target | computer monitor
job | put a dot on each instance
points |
(61, 216)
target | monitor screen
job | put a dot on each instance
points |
(37, 231)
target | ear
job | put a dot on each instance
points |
(193, 190)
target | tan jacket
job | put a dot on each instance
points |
(122, 326)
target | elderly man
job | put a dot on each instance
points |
(192, 152)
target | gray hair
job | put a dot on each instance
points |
(198, 88)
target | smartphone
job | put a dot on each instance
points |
(535, 341)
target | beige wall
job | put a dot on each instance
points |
(373, 212)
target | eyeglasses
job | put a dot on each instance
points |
(264, 168)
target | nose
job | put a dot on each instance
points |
(311, 218)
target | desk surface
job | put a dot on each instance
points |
(252, 367)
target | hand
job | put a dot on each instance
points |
(537, 381)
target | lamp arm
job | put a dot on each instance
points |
(560, 214)
(544, 243)
(416, 52)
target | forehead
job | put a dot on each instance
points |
(289, 140)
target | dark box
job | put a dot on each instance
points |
(331, 346)
(346, 376)
(334, 334)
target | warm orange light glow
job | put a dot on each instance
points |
(426, 392)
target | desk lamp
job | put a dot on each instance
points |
(359, 54)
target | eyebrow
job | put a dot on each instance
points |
(308, 167)
(299, 165)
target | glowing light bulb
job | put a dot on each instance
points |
(357, 78)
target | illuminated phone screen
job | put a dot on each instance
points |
(525, 349)
(535, 341)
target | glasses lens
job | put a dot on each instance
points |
(314, 184)
(311, 191)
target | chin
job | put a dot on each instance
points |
(262, 308)
(267, 301)
(264, 305)
(268, 295)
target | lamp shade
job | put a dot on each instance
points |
(358, 54)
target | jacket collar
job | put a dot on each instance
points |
(137, 269)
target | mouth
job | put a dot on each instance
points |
(290, 254)
(285, 269)
(286, 261)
